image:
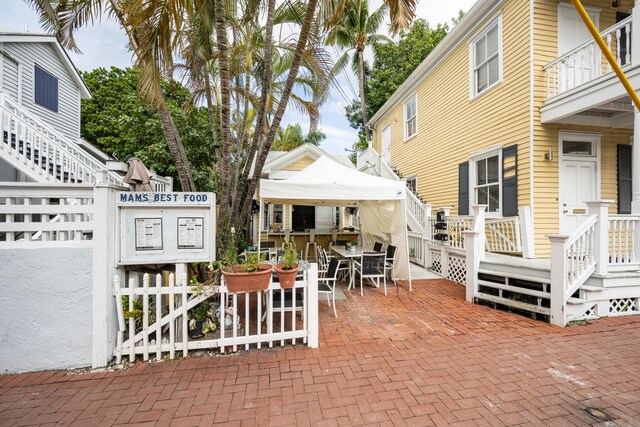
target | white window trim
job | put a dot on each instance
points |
(404, 123)
(473, 176)
(472, 52)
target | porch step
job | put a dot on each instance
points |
(514, 304)
(576, 301)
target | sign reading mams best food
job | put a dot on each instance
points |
(166, 228)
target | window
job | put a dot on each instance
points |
(577, 148)
(486, 58)
(487, 183)
(412, 184)
(46, 89)
(337, 222)
(304, 217)
(410, 117)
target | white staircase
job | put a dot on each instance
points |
(42, 153)
(370, 162)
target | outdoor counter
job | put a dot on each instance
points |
(322, 237)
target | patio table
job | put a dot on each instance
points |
(349, 255)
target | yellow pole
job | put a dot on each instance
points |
(607, 53)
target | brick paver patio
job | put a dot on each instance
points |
(420, 359)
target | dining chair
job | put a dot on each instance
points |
(388, 265)
(327, 284)
(377, 247)
(371, 266)
(344, 267)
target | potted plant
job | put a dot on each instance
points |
(288, 268)
(202, 320)
(253, 275)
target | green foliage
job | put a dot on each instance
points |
(203, 311)
(394, 62)
(315, 138)
(252, 264)
(289, 138)
(358, 146)
(137, 312)
(290, 256)
(117, 122)
(354, 115)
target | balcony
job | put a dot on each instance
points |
(582, 87)
(587, 63)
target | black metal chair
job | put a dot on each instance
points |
(377, 247)
(327, 283)
(371, 266)
(388, 264)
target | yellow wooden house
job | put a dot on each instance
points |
(518, 108)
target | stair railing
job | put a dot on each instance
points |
(573, 261)
(414, 206)
(45, 150)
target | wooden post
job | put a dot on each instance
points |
(601, 238)
(472, 251)
(104, 324)
(479, 226)
(558, 278)
(312, 312)
(527, 235)
(444, 260)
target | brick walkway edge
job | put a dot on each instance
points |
(421, 358)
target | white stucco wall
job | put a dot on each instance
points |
(45, 308)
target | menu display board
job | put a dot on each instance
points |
(165, 228)
(148, 234)
(190, 233)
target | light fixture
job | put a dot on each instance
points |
(615, 3)
(548, 155)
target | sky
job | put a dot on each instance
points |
(104, 45)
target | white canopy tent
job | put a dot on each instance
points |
(380, 201)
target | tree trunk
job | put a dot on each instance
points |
(174, 142)
(363, 104)
(242, 193)
(210, 111)
(282, 106)
(224, 216)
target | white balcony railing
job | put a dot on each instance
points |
(586, 62)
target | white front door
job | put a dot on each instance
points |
(572, 32)
(579, 181)
(386, 144)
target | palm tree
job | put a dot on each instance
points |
(355, 31)
(158, 31)
(150, 27)
(289, 138)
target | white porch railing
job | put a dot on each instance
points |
(415, 208)
(586, 62)
(503, 235)
(46, 212)
(44, 154)
(622, 232)
(416, 247)
(251, 317)
(162, 184)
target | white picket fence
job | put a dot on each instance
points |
(255, 319)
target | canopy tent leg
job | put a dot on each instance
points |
(406, 241)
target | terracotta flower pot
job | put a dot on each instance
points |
(287, 278)
(239, 281)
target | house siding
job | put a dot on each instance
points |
(9, 77)
(546, 187)
(451, 126)
(66, 120)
